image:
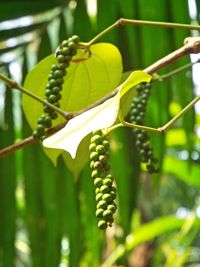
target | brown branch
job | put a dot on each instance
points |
(27, 141)
(191, 45)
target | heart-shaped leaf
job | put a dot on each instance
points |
(86, 81)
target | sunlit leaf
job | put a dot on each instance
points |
(134, 78)
(189, 175)
(86, 81)
(99, 117)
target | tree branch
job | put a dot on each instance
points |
(14, 85)
(191, 45)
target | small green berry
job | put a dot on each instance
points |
(104, 189)
(97, 190)
(64, 43)
(97, 165)
(99, 197)
(53, 115)
(107, 214)
(108, 182)
(99, 213)
(100, 149)
(103, 159)
(101, 204)
(98, 132)
(98, 182)
(107, 197)
(95, 174)
(113, 194)
(40, 128)
(102, 224)
(52, 98)
(92, 147)
(65, 51)
(112, 208)
(36, 134)
(61, 58)
(97, 139)
(75, 38)
(58, 74)
(94, 156)
(56, 89)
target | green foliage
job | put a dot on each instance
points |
(55, 210)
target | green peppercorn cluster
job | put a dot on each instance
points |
(64, 54)
(137, 116)
(105, 190)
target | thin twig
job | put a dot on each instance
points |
(174, 72)
(14, 85)
(123, 22)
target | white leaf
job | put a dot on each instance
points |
(99, 117)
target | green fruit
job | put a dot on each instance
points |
(97, 165)
(102, 224)
(58, 74)
(48, 92)
(103, 159)
(61, 58)
(40, 128)
(99, 197)
(60, 81)
(112, 208)
(92, 147)
(113, 194)
(65, 51)
(95, 174)
(102, 204)
(100, 149)
(107, 214)
(56, 104)
(75, 38)
(53, 83)
(71, 45)
(99, 213)
(108, 182)
(107, 197)
(54, 67)
(92, 164)
(97, 132)
(98, 182)
(94, 156)
(53, 115)
(56, 89)
(106, 144)
(64, 43)
(52, 98)
(97, 139)
(36, 134)
(104, 189)
(97, 190)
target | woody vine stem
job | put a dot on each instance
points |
(191, 45)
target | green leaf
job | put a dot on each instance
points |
(189, 175)
(146, 232)
(86, 82)
(134, 78)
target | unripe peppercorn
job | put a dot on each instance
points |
(102, 224)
